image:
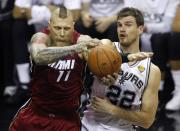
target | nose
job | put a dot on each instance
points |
(62, 32)
(122, 28)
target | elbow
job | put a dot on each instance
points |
(16, 13)
(148, 123)
(38, 60)
(176, 28)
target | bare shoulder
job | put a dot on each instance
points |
(40, 38)
(155, 69)
(154, 77)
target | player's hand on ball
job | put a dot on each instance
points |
(85, 42)
(139, 56)
(84, 46)
(92, 43)
(109, 79)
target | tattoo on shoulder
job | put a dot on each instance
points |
(40, 38)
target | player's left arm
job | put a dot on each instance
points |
(146, 115)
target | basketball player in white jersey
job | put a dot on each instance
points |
(132, 99)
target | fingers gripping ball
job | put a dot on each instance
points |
(104, 60)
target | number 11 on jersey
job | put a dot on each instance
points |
(60, 76)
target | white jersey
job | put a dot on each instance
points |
(125, 93)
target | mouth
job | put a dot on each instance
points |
(122, 36)
(61, 40)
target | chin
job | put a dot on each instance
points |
(59, 43)
(125, 44)
(64, 43)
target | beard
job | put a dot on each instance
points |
(128, 42)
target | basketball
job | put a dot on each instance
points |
(104, 60)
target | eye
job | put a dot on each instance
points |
(66, 28)
(57, 28)
(128, 24)
(119, 24)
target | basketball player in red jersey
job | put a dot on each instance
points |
(57, 80)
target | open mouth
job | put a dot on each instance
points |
(61, 40)
(123, 36)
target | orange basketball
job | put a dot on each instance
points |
(104, 60)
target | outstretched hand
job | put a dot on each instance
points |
(85, 42)
(139, 56)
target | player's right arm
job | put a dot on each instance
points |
(42, 52)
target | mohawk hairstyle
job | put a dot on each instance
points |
(62, 11)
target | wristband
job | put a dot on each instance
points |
(125, 57)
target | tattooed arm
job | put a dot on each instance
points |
(41, 53)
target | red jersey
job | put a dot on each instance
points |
(57, 87)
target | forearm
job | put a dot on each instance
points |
(76, 14)
(51, 54)
(19, 13)
(113, 18)
(85, 5)
(176, 23)
(139, 118)
(52, 7)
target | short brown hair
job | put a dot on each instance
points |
(62, 11)
(129, 11)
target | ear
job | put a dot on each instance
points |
(73, 26)
(48, 24)
(141, 29)
(73, 23)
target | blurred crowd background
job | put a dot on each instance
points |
(19, 19)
